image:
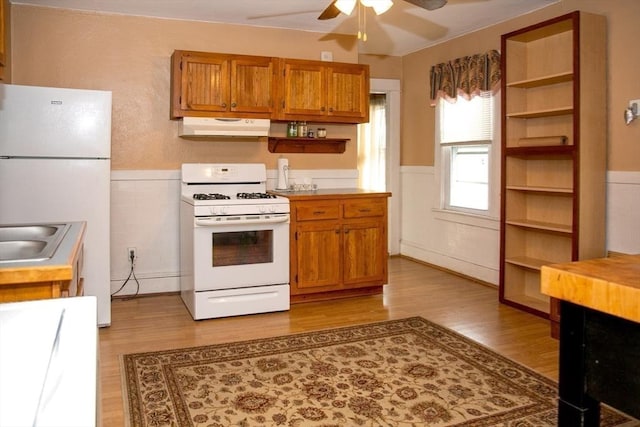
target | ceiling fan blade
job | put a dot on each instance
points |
(330, 12)
(428, 4)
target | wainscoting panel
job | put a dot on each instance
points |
(144, 215)
(471, 246)
(467, 244)
(623, 212)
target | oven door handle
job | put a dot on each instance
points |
(211, 222)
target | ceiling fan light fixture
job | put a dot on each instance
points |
(379, 6)
(345, 6)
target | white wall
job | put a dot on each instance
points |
(145, 215)
(471, 246)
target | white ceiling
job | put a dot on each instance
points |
(405, 28)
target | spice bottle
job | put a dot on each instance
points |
(292, 130)
(302, 129)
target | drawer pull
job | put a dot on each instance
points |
(364, 210)
(319, 212)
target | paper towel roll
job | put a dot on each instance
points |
(283, 171)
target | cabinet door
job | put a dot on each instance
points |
(252, 84)
(318, 252)
(348, 91)
(365, 254)
(203, 83)
(304, 89)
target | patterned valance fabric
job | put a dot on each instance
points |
(466, 76)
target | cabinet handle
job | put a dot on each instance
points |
(224, 105)
(322, 108)
(331, 109)
(337, 231)
(319, 212)
(346, 231)
(233, 105)
(364, 210)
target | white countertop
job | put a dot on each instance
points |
(49, 363)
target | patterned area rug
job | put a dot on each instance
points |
(408, 372)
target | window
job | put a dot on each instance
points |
(467, 154)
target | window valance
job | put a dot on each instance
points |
(466, 76)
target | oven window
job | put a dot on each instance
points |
(242, 247)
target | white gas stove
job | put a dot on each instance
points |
(234, 241)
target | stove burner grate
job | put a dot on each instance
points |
(255, 196)
(210, 196)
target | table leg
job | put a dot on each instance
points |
(575, 407)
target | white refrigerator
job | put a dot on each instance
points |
(55, 150)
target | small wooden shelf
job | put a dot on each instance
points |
(307, 145)
(543, 81)
(528, 262)
(545, 190)
(540, 225)
(547, 152)
(551, 112)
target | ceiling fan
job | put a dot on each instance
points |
(379, 6)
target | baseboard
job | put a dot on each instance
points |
(465, 267)
(446, 270)
(613, 254)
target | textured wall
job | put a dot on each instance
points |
(130, 56)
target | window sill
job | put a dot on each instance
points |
(466, 218)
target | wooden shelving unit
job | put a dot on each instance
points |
(553, 153)
(307, 145)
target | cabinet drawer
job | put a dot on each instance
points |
(365, 208)
(315, 211)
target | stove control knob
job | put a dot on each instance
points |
(272, 208)
(213, 211)
(223, 210)
(262, 209)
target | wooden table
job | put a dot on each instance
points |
(599, 336)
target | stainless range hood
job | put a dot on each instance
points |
(195, 127)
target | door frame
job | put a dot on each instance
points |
(391, 88)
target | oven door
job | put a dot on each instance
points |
(240, 252)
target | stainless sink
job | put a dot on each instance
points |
(30, 242)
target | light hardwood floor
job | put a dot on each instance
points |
(472, 309)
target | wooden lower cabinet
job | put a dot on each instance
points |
(338, 246)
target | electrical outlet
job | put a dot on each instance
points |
(135, 254)
(637, 107)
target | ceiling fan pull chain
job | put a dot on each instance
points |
(364, 24)
(359, 6)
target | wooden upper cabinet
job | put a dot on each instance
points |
(220, 85)
(223, 85)
(204, 83)
(252, 84)
(304, 89)
(324, 91)
(348, 91)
